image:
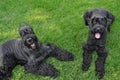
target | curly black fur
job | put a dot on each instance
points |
(99, 21)
(30, 53)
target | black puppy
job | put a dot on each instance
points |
(99, 21)
(30, 53)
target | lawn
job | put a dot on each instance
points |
(61, 22)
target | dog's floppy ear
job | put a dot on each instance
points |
(110, 20)
(110, 17)
(87, 16)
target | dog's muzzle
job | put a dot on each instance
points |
(98, 31)
(31, 42)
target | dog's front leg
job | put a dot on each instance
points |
(37, 59)
(87, 56)
(41, 57)
(102, 54)
(43, 69)
(60, 54)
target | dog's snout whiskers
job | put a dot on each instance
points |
(98, 29)
(30, 40)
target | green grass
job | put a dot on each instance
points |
(61, 22)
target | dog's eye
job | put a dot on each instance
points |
(103, 21)
(35, 38)
(94, 21)
(26, 30)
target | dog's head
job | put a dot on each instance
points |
(28, 37)
(25, 30)
(99, 21)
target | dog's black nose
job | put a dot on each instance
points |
(30, 40)
(98, 30)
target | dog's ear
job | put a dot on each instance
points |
(20, 30)
(110, 17)
(110, 20)
(87, 16)
(25, 30)
(29, 29)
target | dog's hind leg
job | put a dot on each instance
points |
(87, 57)
(60, 54)
(6, 70)
(43, 69)
(100, 62)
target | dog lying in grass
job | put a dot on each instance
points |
(30, 53)
(99, 21)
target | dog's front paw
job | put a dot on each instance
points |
(60, 54)
(70, 57)
(64, 56)
(54, 74)
(85, 67)
(100, 74)
(49, 70)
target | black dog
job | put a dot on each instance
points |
(30, 53)
(99, 21)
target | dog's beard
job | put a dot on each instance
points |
(97, 35)
(30, 41)
(33, 46)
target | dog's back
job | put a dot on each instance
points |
(5, 48)
(13, 47)
(1, 56)
(9, 46)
